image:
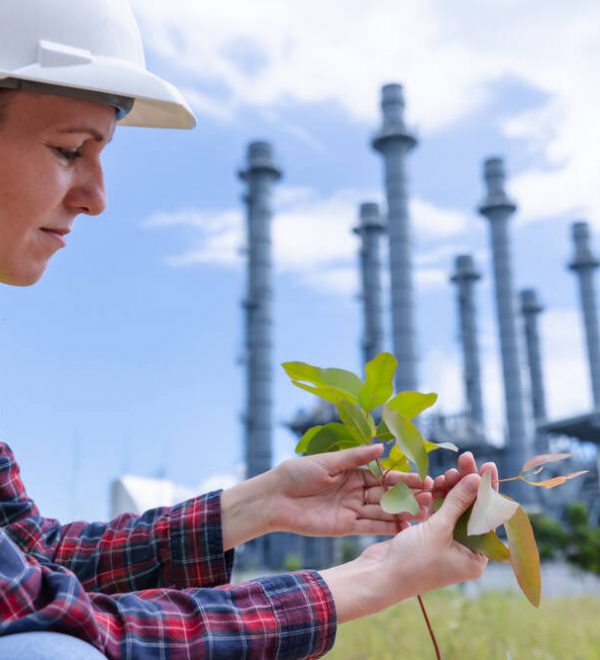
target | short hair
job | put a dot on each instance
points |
(5, 99)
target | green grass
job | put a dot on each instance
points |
(492, 627)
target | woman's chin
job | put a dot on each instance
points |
(21, 278)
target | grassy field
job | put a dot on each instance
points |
(492, 627)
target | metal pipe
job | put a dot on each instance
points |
(465, 276)
(394, 142)
(531, 309)
(584, 264)
(370, 230)
(260, 175)
(497, 208)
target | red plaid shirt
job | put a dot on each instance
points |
(150, 586)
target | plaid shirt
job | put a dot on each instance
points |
(153, 586)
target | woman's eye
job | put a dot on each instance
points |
(69, 154)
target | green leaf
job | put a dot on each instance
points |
(326, 393)
(306, 438)
(524, 556)
(354, 419)
(411, 404)
(330, 437)
(399, 499)
(375, 470)
(488, 544)
(324, 382)
(379, 382)
(432, 446)
(490, 508)
(395, 461)
(383, 433)
(408, 438)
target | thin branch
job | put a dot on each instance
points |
(438, 654)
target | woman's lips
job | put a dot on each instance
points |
(55, 235)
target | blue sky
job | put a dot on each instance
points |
(124, 357)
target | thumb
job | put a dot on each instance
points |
(346, 459)
(458, 500)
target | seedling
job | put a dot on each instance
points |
(356, 402)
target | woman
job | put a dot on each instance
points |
(157, 585)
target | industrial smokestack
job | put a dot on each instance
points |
(497, 208)
(531, 309)
(260, 175)
(465, 276)
(394, 142)
(370, 230)
(584, 264)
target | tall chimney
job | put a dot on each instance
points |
(260, 175)
(370, 230)
(497, 207)
(531, 309)
(584, 264)
(394, 142)
(465, 276)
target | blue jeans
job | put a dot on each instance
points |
(46, 646)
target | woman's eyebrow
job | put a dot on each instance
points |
(98, 137)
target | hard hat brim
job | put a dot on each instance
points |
(157, 103)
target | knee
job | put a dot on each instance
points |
(46, 646)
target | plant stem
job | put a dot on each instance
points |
(501, 481)
(438, 654)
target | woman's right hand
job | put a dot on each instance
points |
(420, 558)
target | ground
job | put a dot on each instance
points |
(495, 626)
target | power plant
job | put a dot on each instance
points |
(528, 430)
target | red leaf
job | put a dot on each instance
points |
(542, 459)
(556, 481)
(524, 556)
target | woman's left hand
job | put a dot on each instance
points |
(332, 495)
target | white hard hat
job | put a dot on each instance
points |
(88, 49)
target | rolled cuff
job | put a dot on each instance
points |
(305, 612)
(196, 542)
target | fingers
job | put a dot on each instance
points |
(379, 527)
(375, 512)
(346, 459)
(493, 469)
(411, 479)
(458, 500)
(452, 477)
(467, 464)
(445, 482)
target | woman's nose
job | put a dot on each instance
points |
(87, 194)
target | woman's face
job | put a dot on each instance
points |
(50, 172)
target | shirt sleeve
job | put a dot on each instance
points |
(176, 547)
(285, 616)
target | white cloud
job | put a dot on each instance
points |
(341, 280)
(206, 106)
(219, 241)
(312, 238)
(431, 220)
(448, 55)
(567, 381)
(430, 278)
(316, 51)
